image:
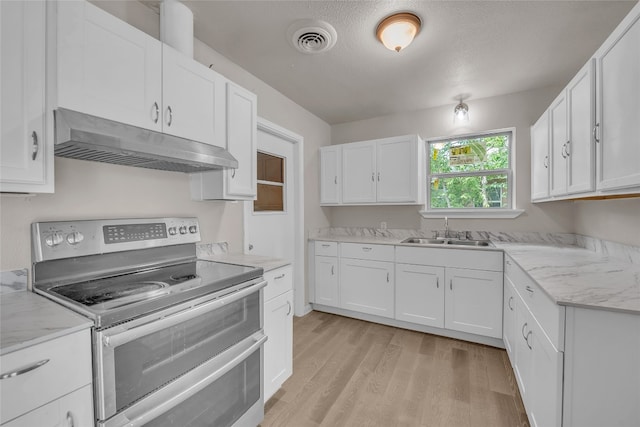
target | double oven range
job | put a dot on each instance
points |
(177, 341)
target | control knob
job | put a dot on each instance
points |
(172, 231)
(75, 238)
(183, 229)
(193, 229)
(53, 239)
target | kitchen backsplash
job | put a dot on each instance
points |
(210, 249)
(13, 281)
(606, 248)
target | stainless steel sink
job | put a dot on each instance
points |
(425, 241)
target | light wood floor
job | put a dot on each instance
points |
(348, 372)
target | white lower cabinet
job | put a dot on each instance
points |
(473, 301)
(326, 281)
(367, 286)
(509, 321)
(278, 326)
(420, 294)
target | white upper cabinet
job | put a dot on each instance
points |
(26, 155)
(191, 97)
(359, 172)
(107, 68)
(242, 119)
(558, 145)
(382, 171)
(330, 175)
(540, 158)
(618, 106)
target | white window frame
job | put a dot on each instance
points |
(510, 212)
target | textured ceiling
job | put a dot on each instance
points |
(473, 49)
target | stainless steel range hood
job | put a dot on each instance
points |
(85, 137)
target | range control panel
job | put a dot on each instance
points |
(66, 239)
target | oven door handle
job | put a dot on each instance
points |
(115, 337)
(175, 393)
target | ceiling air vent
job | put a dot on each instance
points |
(312, 36)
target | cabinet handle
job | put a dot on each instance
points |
(564, 156)
(24, 369)
(566, 149)
(170, 111)
(36, 145)
(332, 270)
(157, 109)
(451, 284)
(378, 176)
(335, 179)
(509, 303)
(373, 176)
(529, 289)
(438, 282)
(546, 162)
(527, 340)
(387, 277)
(289, 304)
(523, 328)
(325, 245)
(70, 422)
(595, 133)
(366, 249)
(508, 262)
(279, 277)
(233, 173)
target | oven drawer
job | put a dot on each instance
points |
(132, 362)
(44, 372)
(225, 391)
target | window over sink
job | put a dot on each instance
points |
(471, 175)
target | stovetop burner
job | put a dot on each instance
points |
(109, 290)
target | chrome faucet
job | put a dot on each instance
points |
(446, 227)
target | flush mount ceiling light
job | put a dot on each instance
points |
(461, 112)
(397, 31)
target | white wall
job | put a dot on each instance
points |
(617, 220)
(86, 190)
(518, 110)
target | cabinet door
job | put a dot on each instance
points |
(580, 149)
(74, 409)
(396, 176)
(242, 129)
(191, 98)
(545, 403)
(278, 349)
(108, 68)
(558, 145)
(330, 175)
(524, 355)
(326, 281)
(24, 153)
(473, 301)
(359, 172)
(509, 319)
(618, 71)
(367, 286)
(420, 294)
(540, 158)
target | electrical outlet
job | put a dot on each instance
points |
(383, 225)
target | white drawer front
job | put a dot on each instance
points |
(68, 368)
(444, 257)
(547, 313)
(371, 252)
(327, 248)
(280, 281)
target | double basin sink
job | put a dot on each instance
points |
(425, 241)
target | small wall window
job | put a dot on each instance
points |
(472, 173)
(271, 183)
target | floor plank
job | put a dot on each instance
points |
(349, 372)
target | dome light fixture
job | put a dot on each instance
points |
(397, 31)
(461, 112)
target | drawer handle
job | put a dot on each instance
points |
(523, 328)
(366, 249)
(326, 245)
(70, 422)
(24, 369)
(529, 289)
(289, 304)
(279, 277)
(509, 303)
(527, 340)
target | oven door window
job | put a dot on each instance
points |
(148, 362)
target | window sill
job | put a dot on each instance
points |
(468, 213)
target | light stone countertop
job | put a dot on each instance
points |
(575, 276)
(266, 263)
(395, 241)
(27, 319)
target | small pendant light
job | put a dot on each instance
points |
(461, 112)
